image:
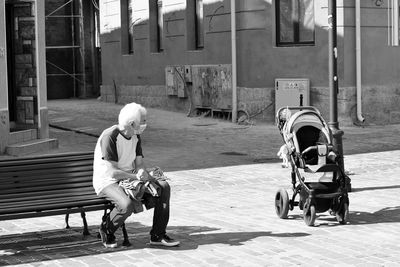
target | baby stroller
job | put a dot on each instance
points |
(316, 175)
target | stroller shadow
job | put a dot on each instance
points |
(68, 243)
(374, 188)
(385, 215)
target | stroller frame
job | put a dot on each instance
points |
(313, 196)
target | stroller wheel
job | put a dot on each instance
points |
(309, 215)
(343, 214)
(282, 203)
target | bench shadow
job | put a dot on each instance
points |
(48, 245)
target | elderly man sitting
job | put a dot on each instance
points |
(118, 157)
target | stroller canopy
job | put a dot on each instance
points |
(306, 128)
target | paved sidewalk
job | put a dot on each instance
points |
(224, 178)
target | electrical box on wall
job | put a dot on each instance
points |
(188, 73)
(175, 81)
(291, 92)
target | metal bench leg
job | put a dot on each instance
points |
(85, 225)
(126, 242)
(103, 219)
(66, 221)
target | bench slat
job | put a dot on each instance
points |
(67, 179)
(64, 205)
(47, 159)
(44, 195)
(47, 188)
(26, 168)
(44, 202)
(54, 212)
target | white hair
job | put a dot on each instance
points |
(131, 112)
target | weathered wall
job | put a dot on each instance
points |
(380, 71)
(260, 62)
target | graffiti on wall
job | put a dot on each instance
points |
(212, 86)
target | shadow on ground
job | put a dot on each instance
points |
(385, 215)
(67, 243)
(375, 188)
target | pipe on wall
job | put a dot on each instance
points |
(234, 70)
(395, 22)
(358, 62)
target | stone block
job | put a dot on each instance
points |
(26, 29)
(27, 46)
(395, 117)
(25, 109)
(23, 10)
(32, 146)
(27, 91)
(23, 66)
(23, 59)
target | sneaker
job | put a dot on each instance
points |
(164, 240)
(108, 240)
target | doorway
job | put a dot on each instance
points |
(21, 65)
(10, 64)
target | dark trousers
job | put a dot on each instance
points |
(123, 207)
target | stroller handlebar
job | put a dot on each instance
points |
(310, 148)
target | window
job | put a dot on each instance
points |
(130, 26)
(294, 22)
(194, 24)
(199, 24)
(127, 26)
(156, 25)
(160, 23)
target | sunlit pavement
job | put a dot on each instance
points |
(223, 213)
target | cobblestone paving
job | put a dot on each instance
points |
(224, 178)
(225, 216)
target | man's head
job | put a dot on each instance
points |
(132, 119)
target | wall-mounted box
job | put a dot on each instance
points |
(188, 73)
(175, 81)
(291, 92)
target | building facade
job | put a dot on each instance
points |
(177, 54)
(23, 95)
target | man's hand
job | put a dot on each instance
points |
(142, 175)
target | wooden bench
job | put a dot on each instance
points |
(50, 185)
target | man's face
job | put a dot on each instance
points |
(133, 129)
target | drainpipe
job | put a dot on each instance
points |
(234, 70)
(358, 62)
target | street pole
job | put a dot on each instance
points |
(334, 83)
